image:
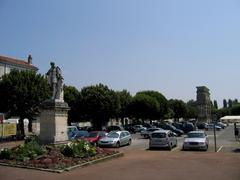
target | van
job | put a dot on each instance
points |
(163, 139)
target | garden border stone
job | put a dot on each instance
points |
(108, 157)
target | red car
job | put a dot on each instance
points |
(94, 136)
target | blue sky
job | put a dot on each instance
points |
(170, 46)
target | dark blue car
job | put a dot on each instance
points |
(74, 133)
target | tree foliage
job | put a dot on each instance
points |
(191, 109)
(215, 105)
(21, 93)
(144, 107)
(235, 110)
(162, 101)
(230, 103)
(178, 107)
(71, 96)
(125, 99)
(224, 103)
(98, 103)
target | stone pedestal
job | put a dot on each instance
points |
(53, 122)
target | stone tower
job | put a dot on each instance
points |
(203, 104)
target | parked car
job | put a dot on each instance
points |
(188, 126)
(166, 126)
(178, 125)
(139, 128)
(116, 139)
(74, 133)
(94, 136)
(162, 138)
(148, 125)
(130, 128)
(196, 140)
(222, 125)
(114, 128)
(147, 133)
(211, 127)
(202, 125)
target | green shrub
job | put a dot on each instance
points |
(67, 151)
(78, 149)
(29, 150)
(5, 153)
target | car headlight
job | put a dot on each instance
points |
(202, 143)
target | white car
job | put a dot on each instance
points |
(162, 138)
(196, 140)
(116, 139)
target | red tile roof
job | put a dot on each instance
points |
(18, 62)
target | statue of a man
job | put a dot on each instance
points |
(55, 80)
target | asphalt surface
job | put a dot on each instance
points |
(141, 164)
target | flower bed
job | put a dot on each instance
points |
(54, 158)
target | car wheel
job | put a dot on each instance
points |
(170, 146)
(206, 148)
(183, 148)
(117, 144)
(129, 142)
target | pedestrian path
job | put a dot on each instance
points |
(10, 144)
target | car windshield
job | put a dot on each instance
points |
(113, 135)
(196, 135)
(92, 134)
(158, 135)
(83, 133)
(71, 129)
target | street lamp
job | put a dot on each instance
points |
(214, 131)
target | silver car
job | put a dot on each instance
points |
(196, 140)
(162, 138)
(116, 139)
(147, 133)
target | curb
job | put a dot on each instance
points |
(117, 155)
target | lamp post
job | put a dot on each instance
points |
(214, 131)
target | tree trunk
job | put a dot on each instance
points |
(21, 128)
(122, 121)
(30, 125)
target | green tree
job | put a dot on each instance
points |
(124, 99)
(144, 107)
(191, 109)
(178, 107)
(98, 103)
(224, 103)
(235, 110)
(235, 102)
(71, 96)
(21, 93)
(215, 105)
(230, 103)
(223, 112)
(162, 101)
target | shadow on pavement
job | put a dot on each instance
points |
(237, 150)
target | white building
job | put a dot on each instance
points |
(7, 64)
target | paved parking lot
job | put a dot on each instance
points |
(225, 141)
(141, 164)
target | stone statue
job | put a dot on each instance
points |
(55, 80)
